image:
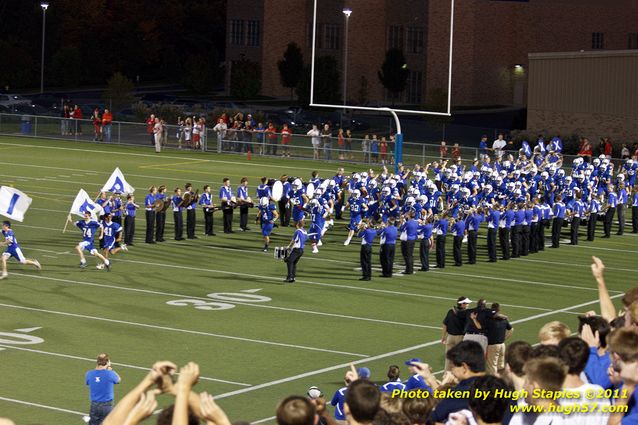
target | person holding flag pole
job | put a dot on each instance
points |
(13, 204)
(89, 210)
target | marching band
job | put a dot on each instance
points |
(515, 198)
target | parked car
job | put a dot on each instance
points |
(7, 99)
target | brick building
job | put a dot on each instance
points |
(591, 94)
(492, 40)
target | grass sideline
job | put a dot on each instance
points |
(257, 340)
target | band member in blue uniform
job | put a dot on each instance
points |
(160, 216)
(409, 234)
(610, 210)
(191, 208)
(178, 221)
(206, 201)
(297, 245)
(243, 200)
(426, 244)
(388, 236)
(593, 211)
(117, 210)
(440, 229)
(150, 214)
(129, 220)
(367, 235)
(559, 217)
(634, 211)
(458, 231)
(227, 200)
(493, 223)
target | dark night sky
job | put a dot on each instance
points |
(89, 40)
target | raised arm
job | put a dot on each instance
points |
(607, 309)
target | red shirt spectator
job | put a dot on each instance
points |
(150, 123)
(271, 133)
(443, 150)
(608, 148)
(285, 135)
(77, 113)
(107, 117)
(456, 152)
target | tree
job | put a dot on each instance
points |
(245, 79)
(291, 67)
(394, 72)
(362, 93)
(66, 67)
(327, 82)
(201, 72)
(119, 92)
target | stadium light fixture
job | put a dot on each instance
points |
(44, 5)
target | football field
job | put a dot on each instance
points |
(221, 302)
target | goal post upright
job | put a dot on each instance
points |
(398, 148)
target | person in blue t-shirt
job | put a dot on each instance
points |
(388, 234)
(426, 244)
(415, 381)
(367, 235)
(267, 216)
(394, 381)
(409, 233)
(89, 227)
(296, 245)
(557, 224)
(13, 250)
(129, 220)
(100, 382)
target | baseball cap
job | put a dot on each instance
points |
(363, 372)
(463, 300)
(314, 393)
(413, 360)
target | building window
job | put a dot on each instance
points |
(415, 40)
(253, 35)
(414, 87)
(329, 37)
(633, 40)
(395, 37)
(237, 32)
(597, 40)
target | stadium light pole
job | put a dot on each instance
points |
(44, 5)
(346, 12)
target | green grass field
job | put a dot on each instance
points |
(270, 339)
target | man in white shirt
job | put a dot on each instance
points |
(574, 352)
(498, 145)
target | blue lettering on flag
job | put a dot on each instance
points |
(12, 203)
(86, 207)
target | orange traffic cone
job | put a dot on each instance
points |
(249, 155)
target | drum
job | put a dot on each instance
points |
(310, 190)
(281, 252)
(277, 191)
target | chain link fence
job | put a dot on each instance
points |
(379, 151)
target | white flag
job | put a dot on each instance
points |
(84, 203)
(117, 183)
(13, 203)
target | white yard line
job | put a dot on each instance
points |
(92, 360)
(179, 330)
(170, 294)
(164, 156)
(603, 248)
(42, 406)
(384, 355)
(557, 263)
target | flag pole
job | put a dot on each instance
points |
(68, 219)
